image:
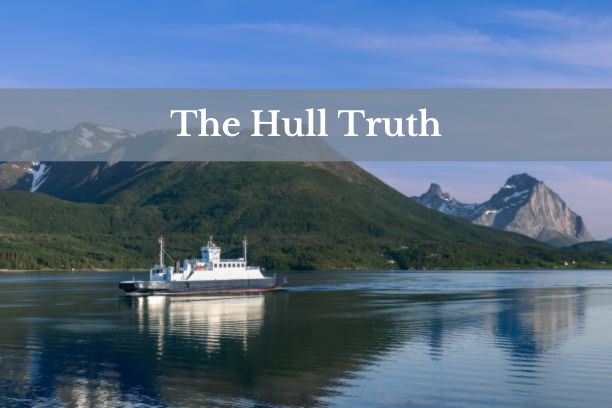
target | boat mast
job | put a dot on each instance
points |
(244, 246)
(161, 251)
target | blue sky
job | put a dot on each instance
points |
(306, 44)
(331, 44)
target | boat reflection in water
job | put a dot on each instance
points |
(201, 319)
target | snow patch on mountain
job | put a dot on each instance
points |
(117, 133)
(39, 175)
(109, 129)
(86, 134)
(515, 195)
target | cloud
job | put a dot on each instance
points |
(352, 38)
(545, 19)
(528, 78)
(573, 46)
(542, 19)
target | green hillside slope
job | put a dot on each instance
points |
(296, 215)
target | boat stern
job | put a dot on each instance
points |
(136, 288)
(128, 286)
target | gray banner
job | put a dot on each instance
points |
(136, 125)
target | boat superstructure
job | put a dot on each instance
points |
(209, 274)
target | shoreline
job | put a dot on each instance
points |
(96, 270)
(65, 270)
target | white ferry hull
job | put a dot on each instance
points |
(215, 287)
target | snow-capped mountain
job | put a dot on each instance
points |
(524, 205)
(438, 200)
(27, 176)
(87, 139)
(82, 141)
(86, 162)
(91, 142)
(74, 181)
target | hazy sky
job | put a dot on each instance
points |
(339, 44)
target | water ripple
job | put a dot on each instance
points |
(443, 339)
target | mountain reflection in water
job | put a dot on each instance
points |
(342, 339)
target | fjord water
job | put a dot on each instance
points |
(446, 339)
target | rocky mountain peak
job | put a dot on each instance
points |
(521, 181)
(434, 189)
(523, 204)
(436, 192)
(437, 199)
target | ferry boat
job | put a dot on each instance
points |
(209, 275)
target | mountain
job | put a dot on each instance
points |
(92, 142)
(524, 205)
(74, 181)
(296, 215)
(83, 140)
(436, 199)
(601, 247)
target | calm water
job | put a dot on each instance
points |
(433, 339)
